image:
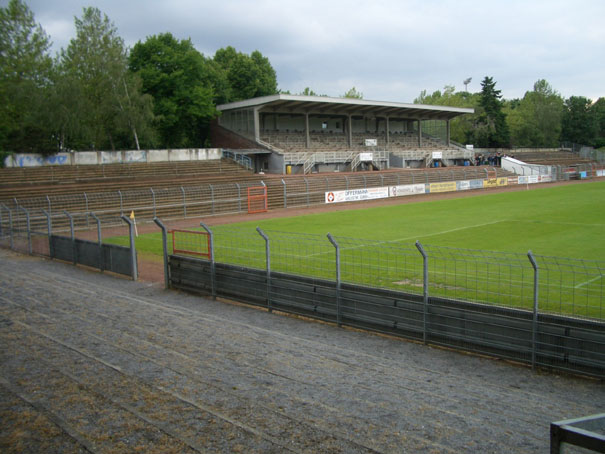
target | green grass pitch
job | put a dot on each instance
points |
(561, 221)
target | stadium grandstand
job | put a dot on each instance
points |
(311, 134)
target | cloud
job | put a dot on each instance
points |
(387, 49)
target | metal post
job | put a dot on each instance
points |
(10, 225)
(184, 203)
(307, 186)
(425, 289)
(534, 328)
(268, 262)
(86, 208)
(49, 228)
(239, 197)
(29, 233)
(153, 199)
(212, 264)
(100, 241)
(285, 194)
(133, 251)
(49, 207)
(73, 237)
(212, 197)
(338, 283)
(161, 225)
(121, 203)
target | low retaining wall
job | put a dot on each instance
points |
(112, 157)
(562, 343)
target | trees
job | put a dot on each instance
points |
(176, 75)
(106, 107)
(248, 76)
(579, 122)
(536, 120)
(353, 94)
(491, 129)
(25, 71)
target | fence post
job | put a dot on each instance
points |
(212, 264)
(338, 283)
(184, 203)
(49, 207)
(268, 266)
(10, 225)
(49, 228)
(86, 208)
(534, 328)
(307, 186)
(121, 203)
(285, 194)
(133, 251)
(161, 225)
(153, 199)
(212, 197)
(100, 241)
(425, 289)
(29, 233)
(239, 197)
(73, 237)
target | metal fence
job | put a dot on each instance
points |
(545, 311)
(19, 233)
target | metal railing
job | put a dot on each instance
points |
(545, 311)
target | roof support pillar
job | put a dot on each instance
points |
(307, 135)
(419, 133)
(387, 131)
(256, 125)
(350, 130)
(448, 131)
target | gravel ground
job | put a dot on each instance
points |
(94, 363)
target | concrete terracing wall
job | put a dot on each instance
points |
(112, 157)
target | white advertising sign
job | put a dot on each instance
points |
(365, 157)
(545, 178)
(406, 189)
(371, 142)
(470, 147)
(437, 154)
(355, 195)
(464, 185)
(601, 173)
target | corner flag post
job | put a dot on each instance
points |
(132, 218)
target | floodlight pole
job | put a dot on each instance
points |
(212, 264)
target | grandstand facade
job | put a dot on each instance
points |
(310, 134)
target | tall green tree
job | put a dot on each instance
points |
(106, 107)
(179, 79)
(25, 74)
(460, 127)
(248, 76)
(535, 121)
(353, 94)
(579, 122)
(491, 129)
(598, 110)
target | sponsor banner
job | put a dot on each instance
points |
(495, 182)
(476, 184)
(445, 186)
(533, 179)
(512, 180)
(601, 173)
(355, 195)
(545, 178)
(371, 142)
(583, 174)
(463, 185)
(407, 189)
(437, 155)
(365, 157)
(523, 179)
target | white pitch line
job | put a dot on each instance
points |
(589, 281)
(359, 246)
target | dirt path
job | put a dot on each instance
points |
(93, 363)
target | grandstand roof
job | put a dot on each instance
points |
(345, 106)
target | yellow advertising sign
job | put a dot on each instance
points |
(495, 182)
(445, 186)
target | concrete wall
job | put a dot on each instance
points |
(112, 157)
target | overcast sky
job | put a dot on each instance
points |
(388, 50)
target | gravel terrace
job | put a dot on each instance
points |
(95, 363)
